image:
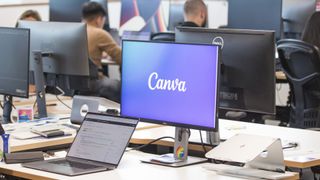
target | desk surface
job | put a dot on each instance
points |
(280, 75)
(307, 154)
(130, 168)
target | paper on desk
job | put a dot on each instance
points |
(24, 135)
(303, 158)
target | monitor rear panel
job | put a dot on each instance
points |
(248, 70)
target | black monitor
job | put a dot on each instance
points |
(60, 52)
(295, 14)
(71, 10)
(178, 86)
(175, 15)
(256, 14)
(136, 35)
(248, 66)
(14, 66)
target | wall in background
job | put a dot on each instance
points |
(12, 9)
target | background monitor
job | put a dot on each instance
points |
(295, 14)
(136, 35)
(169, 83)
(65, 60)
(256, 14)
(248, 66)
(71, 10)
(14, 67)
(14, 62)
(175, 15)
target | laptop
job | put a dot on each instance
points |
(98, 146)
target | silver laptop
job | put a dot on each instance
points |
(98, 146)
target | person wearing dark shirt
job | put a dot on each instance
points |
(311, 33)
(195, 13)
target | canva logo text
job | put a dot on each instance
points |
(156, 83)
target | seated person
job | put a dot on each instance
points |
(195, 13)
(100, 42)
(311, 33)
(29, 15)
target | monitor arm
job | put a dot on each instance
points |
(7, 108)
(39, 82)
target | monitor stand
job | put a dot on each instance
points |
(180, 156)
(40, 84)
(7, 108)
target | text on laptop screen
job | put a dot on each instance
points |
(170, 83)
(102, 138)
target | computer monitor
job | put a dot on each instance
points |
(172, 84)
(257, 14)
(14, 66)
(295, 14)
(175, 15)
(136, 35)
(71, 10)
(58, 56)
(248, 66)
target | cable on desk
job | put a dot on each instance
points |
(10, 104)
(151, 142)
(202, 144)
(34, 104)
(291, 145)
(63, 102)
(62, 93)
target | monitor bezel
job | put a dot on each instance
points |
(164, 122)
(27, 74)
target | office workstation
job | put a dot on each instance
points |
(188, 89)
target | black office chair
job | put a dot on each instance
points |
(163, 36)
(301, 64)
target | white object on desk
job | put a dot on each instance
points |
(25, 135)
(246, 172)
(258, 152)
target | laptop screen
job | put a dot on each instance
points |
(102, 138)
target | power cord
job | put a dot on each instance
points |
(151, 142)
(291, 145)
(62, 93)
(202, 144)
(63, 102)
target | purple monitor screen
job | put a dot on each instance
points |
(170, 83)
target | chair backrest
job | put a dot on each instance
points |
(299, 58)
(301, 64)
(163, 36)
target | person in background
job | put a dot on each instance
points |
(311, 33)
(195, 13)
(30, 15)
(100, 42)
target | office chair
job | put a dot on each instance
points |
(301, 64)
(163, 36)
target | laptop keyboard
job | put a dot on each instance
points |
(74, 164)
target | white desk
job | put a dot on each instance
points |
(130, 168)
(307, 154)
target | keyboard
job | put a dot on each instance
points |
(74, 164)
(246, 172)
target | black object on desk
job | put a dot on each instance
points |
(23, 157)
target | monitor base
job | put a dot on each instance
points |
(170, 161)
